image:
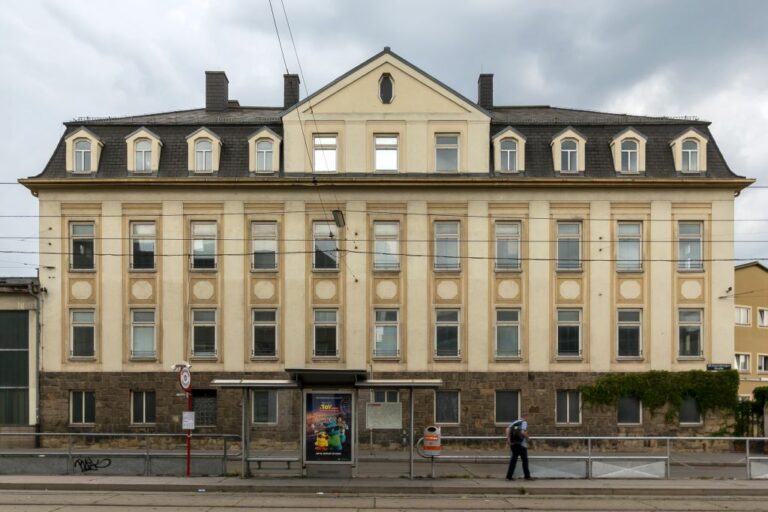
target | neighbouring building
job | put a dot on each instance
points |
(751, 341)
(18, 358)
(386, 224)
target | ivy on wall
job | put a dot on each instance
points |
(712, 390)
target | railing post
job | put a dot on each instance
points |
(749, 473)
(432, 464)
(147, 461)
(69, 454)
(224, 458)
(669, 458)
(589, 457)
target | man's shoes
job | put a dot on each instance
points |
(510, 478)
(529, 478)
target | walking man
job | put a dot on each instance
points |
(517, 439)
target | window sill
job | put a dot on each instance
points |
(143, 359)
(629, 359)
(629, 270)
(448, 270)
(264, 358)
(386, 270)
(81, 425)
(142, 270)
(83, 270)
(511, 359)
(517, 270)
(569, 270)
(143, 425)
(325, 358)
(568, 425)
(691, 425)
(690, 358)
(447, 358)
(264, 270)
(567, 359)
(204, 357)
(204, 270)
(326, 270)
(690, 270)
(256, 424)
(84, 359)
(629, 424)
(395, 358)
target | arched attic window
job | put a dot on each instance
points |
(690, 155)
(629, 155)
(143, 155)
(203, 156)
(386, 88)
(569, 156)
(82, 155)
(508, 155)
(264, 156)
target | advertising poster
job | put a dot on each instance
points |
(328, 427)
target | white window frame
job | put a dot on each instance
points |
(458, 406)
(764, 358)
(630, 153)
(687, 323)
(510, 154)
(73, 237)
(142, 161)
(264, 238)
(196, 237)
(620, 265)
(572, 157)
(139, 237)
(380, 267)
(253, 407)
(73, 324)
(386, 323)
(82, 407)
(333, 234)
(568, 404)
(737, 320)
(455, 265)
(79, 156)
(205, 154)
(275, 323)
(762, 318)
(144, 408)
(448, 146)
(386, 396)
(568, 323)
(507, 323)
(689, 156)
(737, 358)
(507, 238)
(325, 323)
(640, 413)
(496, 406)
(265, 157)
(626, 323)
(690, 265)
(321, 146)
(134, 324)
(205, 323)
(380, 143)
(444, 323)
(568, 237)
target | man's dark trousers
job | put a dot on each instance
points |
(521, 451)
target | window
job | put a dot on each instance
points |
(385, 333)
(386, 88)
(446, 153)
(82, 156)
(689, 333)
(82, 249)
(743, 315)
(264, 333)
(142, 407)
(82, 407)
(762, 317)
(325, 153)
(386, 246)
(385, 152)
(204, 332)
(143, 156)
(762, 363)
(264, 156)
(569, 156)
(741, 362)
(508, 333)
(383, 396)
(569, 333)
(690, 413)
(629, 333)
(689, 246)
(690, 156)
(447, 245)
(142, 333)
(507, 246)
(143, 245)
(264, 245)
(507, 407)
(204, 406)
(83, 333)
(326, 252)
(568, 407)
(204, 155)
(265, 406)
(630, 248)
(447, 333)
(203, 245)
(326, 336)
(508, 155)
(447, 407)
(629, 156)
(568, 246)
(630, 411)
(14, 367)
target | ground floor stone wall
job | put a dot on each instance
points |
(477, 406)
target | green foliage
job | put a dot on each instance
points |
(761, 396)
(712, 390)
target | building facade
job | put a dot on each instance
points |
(751, 343)
(384, 223)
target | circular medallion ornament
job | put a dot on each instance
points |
(185, 379)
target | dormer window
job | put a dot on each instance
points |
(143, 160)
(264, 156)
(203, 156)
(569, 156)
(509, 155)
(629, 156)
(386, 88)
(690, 156)
(82, 156)
(509, 151)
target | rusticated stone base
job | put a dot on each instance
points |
(537, 394)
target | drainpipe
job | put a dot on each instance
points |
(37, 292)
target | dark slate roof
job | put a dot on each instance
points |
(195, 117)
(543, 114)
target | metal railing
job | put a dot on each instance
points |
(78, 452)
(590, 457)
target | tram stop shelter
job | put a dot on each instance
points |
(326, 394)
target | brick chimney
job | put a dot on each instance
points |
(290, 90)
(216, 91)
(485, 90)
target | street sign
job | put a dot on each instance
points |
(717, 367)
(185, 379)
(188, 420)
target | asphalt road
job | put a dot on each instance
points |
(17, 501)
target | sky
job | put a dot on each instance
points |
(73, 58)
